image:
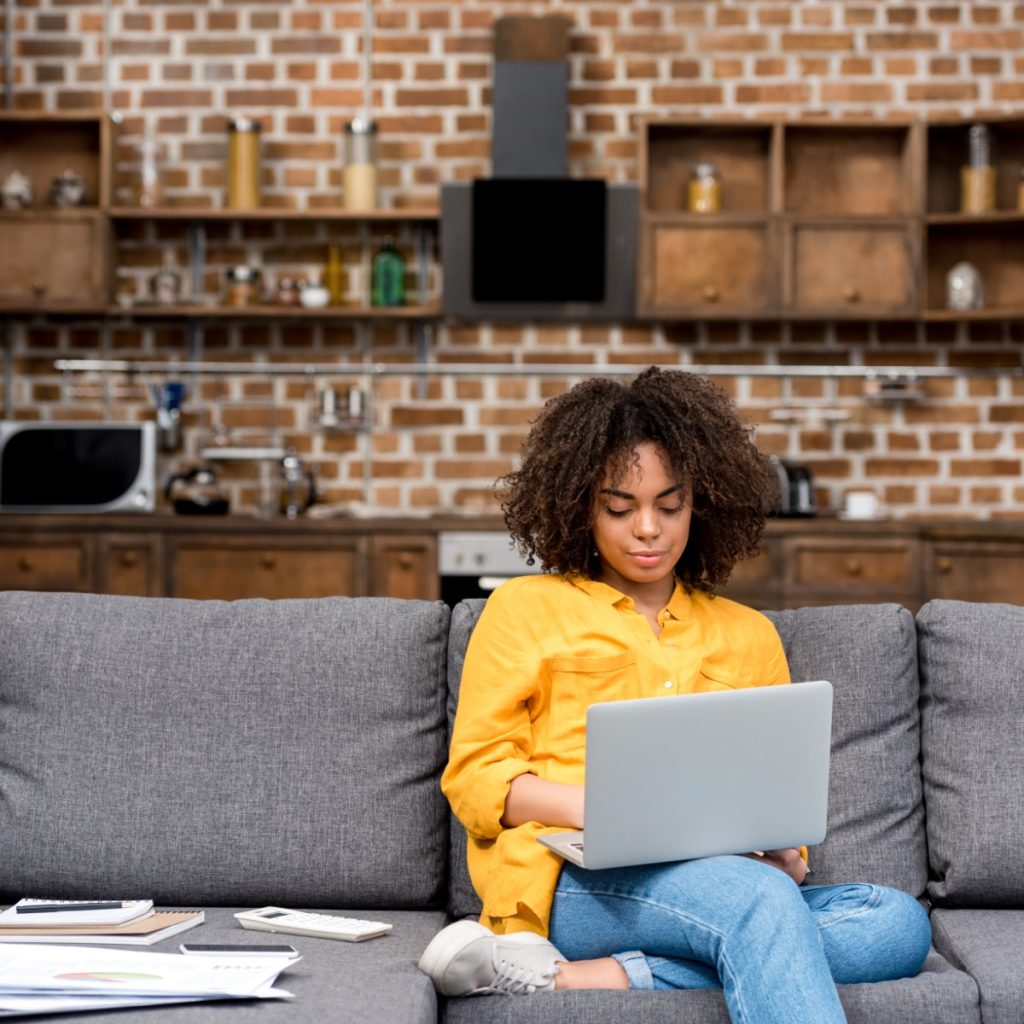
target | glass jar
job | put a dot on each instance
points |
(359, 172)
(149, 191)
(978, 175)
(243, 163)
(704, 189)
(243, 286)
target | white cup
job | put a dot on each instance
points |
(861, 505)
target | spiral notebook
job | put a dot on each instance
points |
(29, 913)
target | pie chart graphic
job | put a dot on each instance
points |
(110, 976)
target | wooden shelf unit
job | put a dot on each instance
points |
(66, 262)
(825, 220)
(818, 220)
(992, 242)
(51, 259)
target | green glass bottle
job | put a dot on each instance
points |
(388, 276)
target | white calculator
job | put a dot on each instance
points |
(301, 922)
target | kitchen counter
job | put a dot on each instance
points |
(815, 560)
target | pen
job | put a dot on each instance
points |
(59, 908)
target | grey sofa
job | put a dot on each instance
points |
(229, 756)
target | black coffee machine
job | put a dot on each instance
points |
(796, 488)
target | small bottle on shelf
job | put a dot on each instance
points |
(388, 284)
(334, 275)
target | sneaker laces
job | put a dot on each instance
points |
(513, 979)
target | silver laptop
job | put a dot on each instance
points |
(673, 778)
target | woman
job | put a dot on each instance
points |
(638, 500)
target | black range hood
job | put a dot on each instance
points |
(531, 243)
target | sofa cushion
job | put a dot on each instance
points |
(250, 752)
(972, 686)
(988, 945)
(938, 995)
(875, 815)
(875, 824)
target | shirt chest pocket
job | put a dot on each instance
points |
(714, 677)
(579, 681)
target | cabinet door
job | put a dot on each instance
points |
(847, 571)
(757, 581)
(129, 565)
(231, 568)
(405, 566)
(976, 571)
(53, 259)
(850, 270)
(706, 269)
(58, 562)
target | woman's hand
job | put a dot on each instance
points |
(551, 803)
(788, 861)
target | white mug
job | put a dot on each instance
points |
(861, 505)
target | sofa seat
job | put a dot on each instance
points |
(940, 994)
(374, 981)
(990, 945)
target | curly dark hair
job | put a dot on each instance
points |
(596, 426)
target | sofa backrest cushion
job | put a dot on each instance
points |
(876, 821)
(462, 898)
(972, 687)
(239, 753)
(875, 815)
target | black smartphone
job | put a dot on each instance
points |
(237, 949)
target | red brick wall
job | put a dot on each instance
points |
(183, 67)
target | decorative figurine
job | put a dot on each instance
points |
(964, 291)
(17, 191)
(67, 190)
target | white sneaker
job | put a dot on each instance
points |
(467, 959)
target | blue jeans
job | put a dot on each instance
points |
(777, 950)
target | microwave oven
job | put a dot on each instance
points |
(77, 467)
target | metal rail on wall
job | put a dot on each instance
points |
(895, 374)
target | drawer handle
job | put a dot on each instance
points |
(268, 561)
(129, 559)
(851, 294)
(854, 566)
(945, 564)
(38, 288)
(406, 562)
(25, 564)
(711, 294)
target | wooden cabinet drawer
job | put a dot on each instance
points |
(247, 568)
(707, 269)
(976, 571)
(863, 566)
(850, 269)
(405, 566)
(60, 564)
(129, 565)
(54, 259)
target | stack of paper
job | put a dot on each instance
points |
(130, 922)
(58, 979)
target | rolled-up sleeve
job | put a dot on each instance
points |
(492, 741)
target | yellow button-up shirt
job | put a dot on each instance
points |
(544, 650)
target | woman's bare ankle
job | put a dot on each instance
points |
(603, 973)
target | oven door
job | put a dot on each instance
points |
(472, 563)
